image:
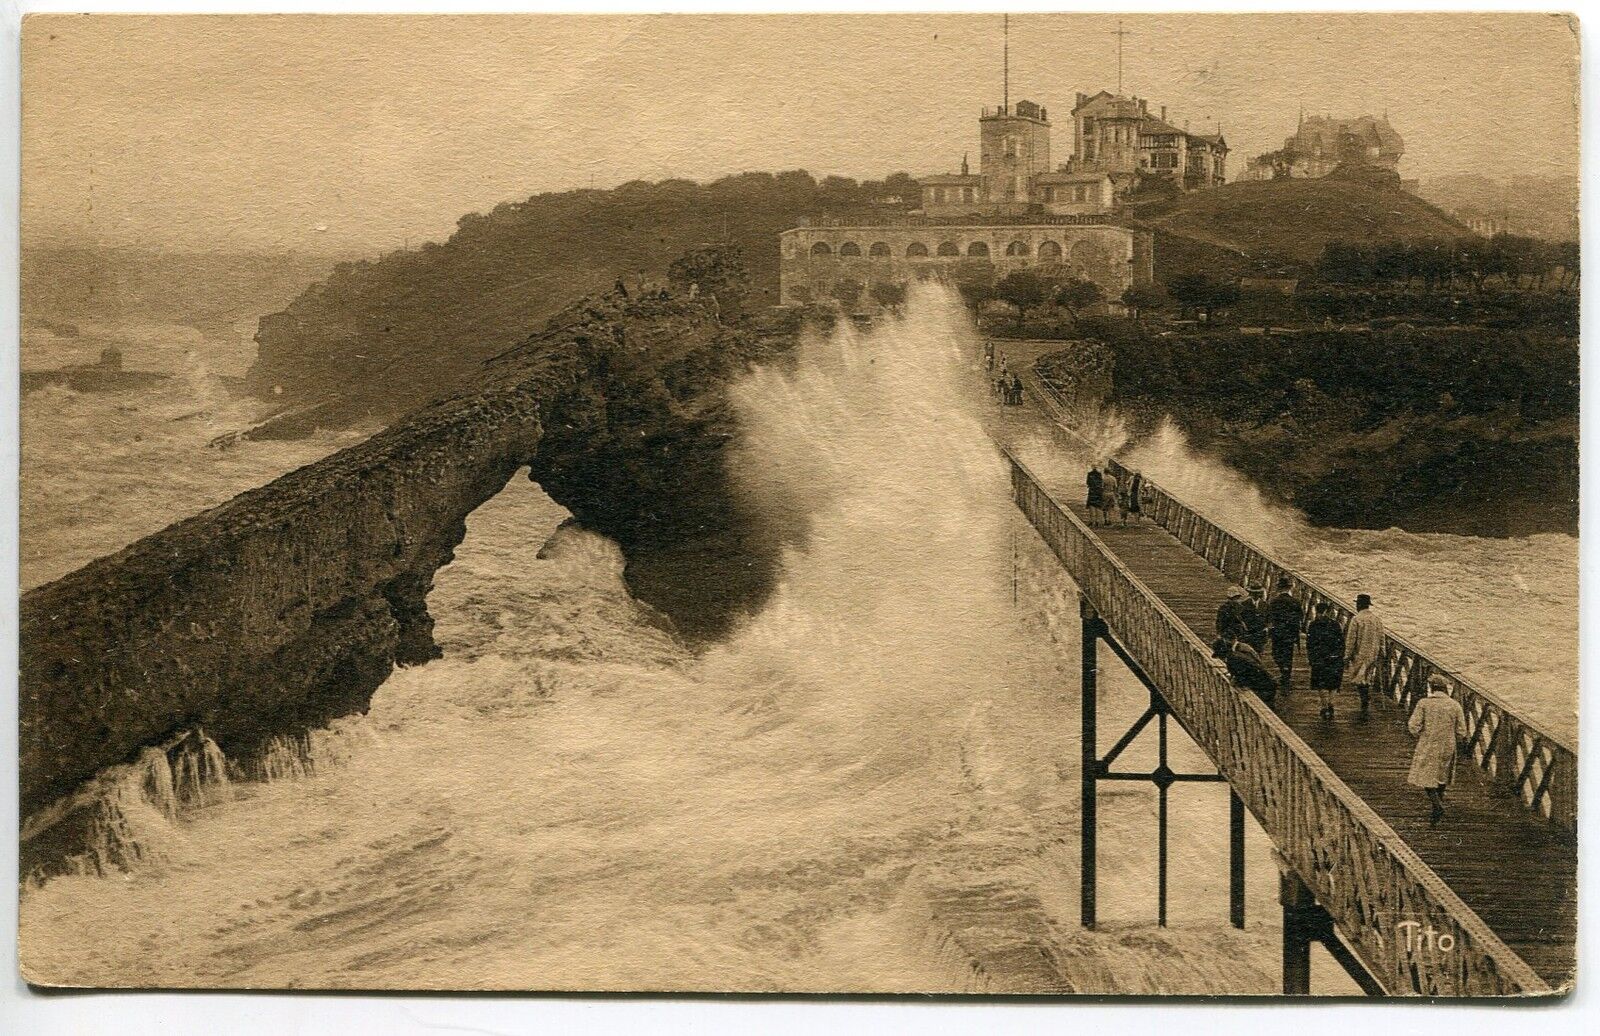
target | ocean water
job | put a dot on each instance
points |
(870, 786)
(100, 470)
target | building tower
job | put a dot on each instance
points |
(1014, 142)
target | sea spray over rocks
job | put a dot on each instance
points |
(869, 785)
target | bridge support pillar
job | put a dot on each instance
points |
(1095, 768)
(1235, 859)
(1304, 922)
(1089, 769)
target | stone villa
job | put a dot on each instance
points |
(1015, 211)
(1321, 144)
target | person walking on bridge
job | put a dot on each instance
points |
(1285, 616)
(1363, 649)
(1438, 724)
(1111, 490)
(1230, 615)
(1136, 496)
(1325, 654)
(1096, 483)
(1254, 611)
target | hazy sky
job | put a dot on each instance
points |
(252, 133)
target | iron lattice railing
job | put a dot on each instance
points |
(1519, 758)
(1361, 871)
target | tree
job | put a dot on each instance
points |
(1199, 294)
(974, 279)
(1023, 289)
(1077, 295)
(902, 186)
(1142, 297)
(889, 295)
(848, 291)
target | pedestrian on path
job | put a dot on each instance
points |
(1285, 616)
(1254, 611)
(1110, 491)
(1363, 649)
(1136, 491)
(1096, 483)
(1230, 614)
(1439, 725)
(1325, 654)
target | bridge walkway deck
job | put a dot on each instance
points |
(1514, 871)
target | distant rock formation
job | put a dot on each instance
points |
(105, 376)
(290, 604)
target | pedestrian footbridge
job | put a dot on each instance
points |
(1482, 905)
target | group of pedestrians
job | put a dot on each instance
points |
(1337, 656)
(1005, 382)
(1109, 492)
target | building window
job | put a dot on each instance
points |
(949, 248)
(1017, 248)
(821, 248)
(1049, 250)
(938, 195)
(966, 195)
(849, 248)
(978, 248)
(1011, 147)
(916, 250)
(1049, 195)
(879, 250)
(1080, 194)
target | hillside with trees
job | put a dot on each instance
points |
(1430, 385)
(377, 338)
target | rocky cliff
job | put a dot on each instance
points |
(291, 603)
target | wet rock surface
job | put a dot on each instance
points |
(290, 604)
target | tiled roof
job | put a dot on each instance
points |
(1155, 127)
(1059, 177)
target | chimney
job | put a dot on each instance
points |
(1081, 98)
(1163, 113)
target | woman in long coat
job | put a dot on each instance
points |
(1110, 493)
(1096, 484)
(1438, 724)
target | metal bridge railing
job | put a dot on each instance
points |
(1361, 871)
(1524, 761)
(1519, 758)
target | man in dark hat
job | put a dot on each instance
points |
(1230, 616)
(1285, 616)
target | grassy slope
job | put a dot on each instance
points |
(1293, 219)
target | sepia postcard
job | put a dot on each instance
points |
(1042, 504)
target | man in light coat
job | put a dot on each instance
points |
(1438, 724)
(1363, 649)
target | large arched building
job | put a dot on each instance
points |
(1014, 212)
(841, 260)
